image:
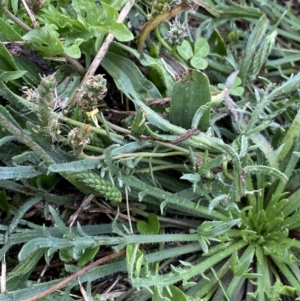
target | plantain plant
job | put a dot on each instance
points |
(205, 164)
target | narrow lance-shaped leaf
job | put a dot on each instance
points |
(254, 40)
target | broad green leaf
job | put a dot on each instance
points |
(172, 293)
(215, 202)
(65, 254)
(88, 255)
(193, 178)
(31, 70)
(134, 259)
(216, 43)
(185, 50)
(201, 48)
(6, 114)
(129, 78)
(46, 40)
(152, 227)
(119, 30)
(188, 95)
(15, 6)
(45, 181)
(235, 88)
(237, 91)
(7, 33)
(156, 64)
(5, 54)
(199, 63)
(117, 4)
(8, 76)
(63, 19)
(74, 50)
(288, 290)
(88, 12)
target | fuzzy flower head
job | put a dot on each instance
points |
(177, 32)
(93, 92)
(78, 138)
(158, 7)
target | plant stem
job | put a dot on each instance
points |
(15, 19)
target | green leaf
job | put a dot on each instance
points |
(65, 18)
(211, 229)
(216, 43)
(31, 71)
(129, 78)
(58, 222)
(243, 264)
(117, 4)
(7, 33)
(19, 172)
(237, 91)
(74, 50)
(8, 76)
(119, 30)
(46, 40)
(8, 58)
(4, 205)
(138, 124)
(88, 255)
(288, 290)
(17, 278)
(235, 88)
(5, 113)
(152, 227)
(201, 48)
(156, 64)
(65, 254)
(188, 95)
(44, 181)
(199, 63)
(185, 50)
(135, 259)
(170, 293)
(254, 40)
(15, 6)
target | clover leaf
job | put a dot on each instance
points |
(236, 89)
(196, 55)
(185, 50)
(150, 227)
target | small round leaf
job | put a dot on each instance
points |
(237, 91)
(185, 50)
(201, 48)
(199, 63)
(152, 227)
